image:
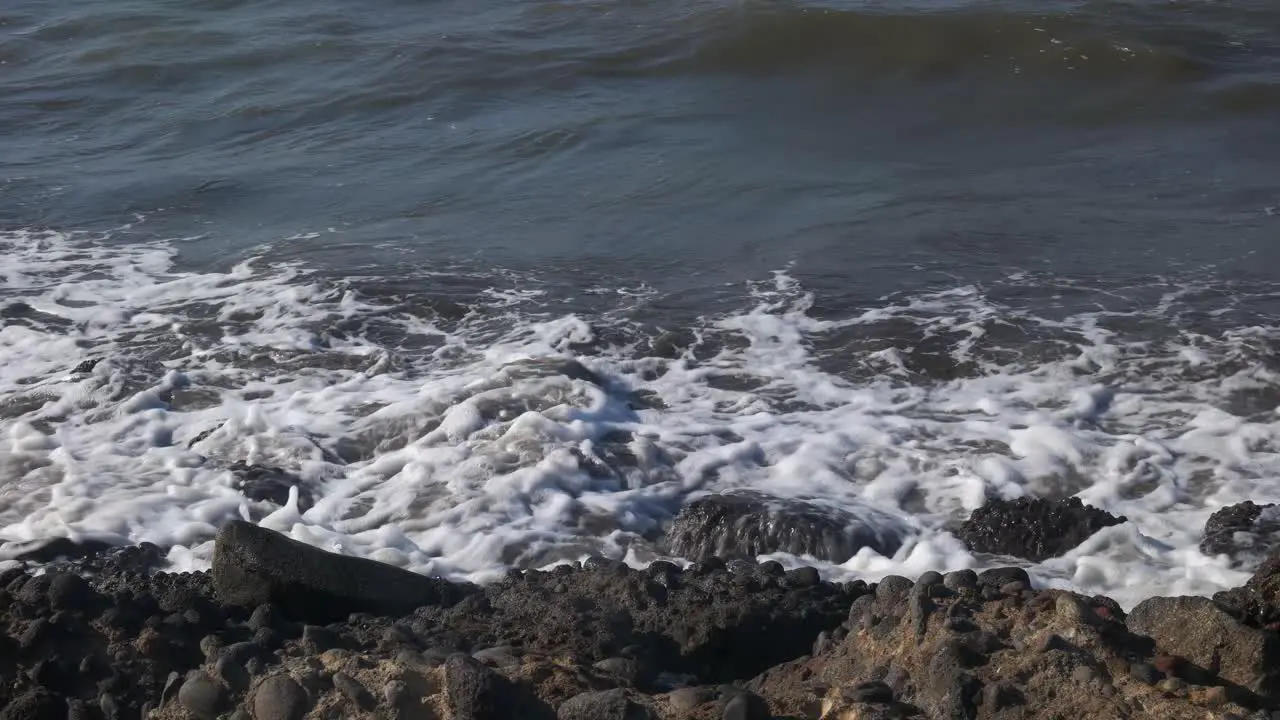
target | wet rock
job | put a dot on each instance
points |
(269, 484)
(803, 577)
(751, 524)
(86, 366)
(1196, 629)
(603, 705)
(960, 580)
(1033, 528)
(253, 566)
(892, 589)
(997, 578)
(46, 551)
(1243, 531)
(202, 696)
(280, 697)
(17, 309)
(1257, 603)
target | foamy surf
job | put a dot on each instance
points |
(510, 433)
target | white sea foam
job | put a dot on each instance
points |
(463, 447)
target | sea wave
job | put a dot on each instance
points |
(470, 432)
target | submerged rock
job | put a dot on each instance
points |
(253, 566)
(1035, 529)
(1019, 654)
(43, 551)
(750, 524)
(269, 484)
(1242, 530)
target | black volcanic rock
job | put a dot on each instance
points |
(962, 645)
(706, 624)
(476, 692)
(1257, 603)
(1241, 530)
(253, 566)
(43, 551)
(1033, 528)
(269, 484)
(749, 524)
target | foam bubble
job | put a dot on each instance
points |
(514, 434)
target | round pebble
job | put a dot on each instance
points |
(280, 697)
(201, 695)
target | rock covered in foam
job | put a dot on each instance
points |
(269, 484)
(1242, 530)
(750, 524)
(1033, 528)
(253, 566)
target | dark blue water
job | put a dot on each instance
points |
(502, 282)
(870, 146)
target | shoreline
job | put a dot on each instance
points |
(280, 629)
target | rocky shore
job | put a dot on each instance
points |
(278, 630)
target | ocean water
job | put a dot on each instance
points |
(506, 283)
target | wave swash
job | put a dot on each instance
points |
(462, 438)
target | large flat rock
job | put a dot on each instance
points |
(253, 566)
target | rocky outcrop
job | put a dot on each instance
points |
(269, 484)
(253, 566)
(1243, 532)
(1202, 634)
(708, 621)
(746, 525)
(967, 649)
(1034, 529)
(1257, 603)
(715, 641)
